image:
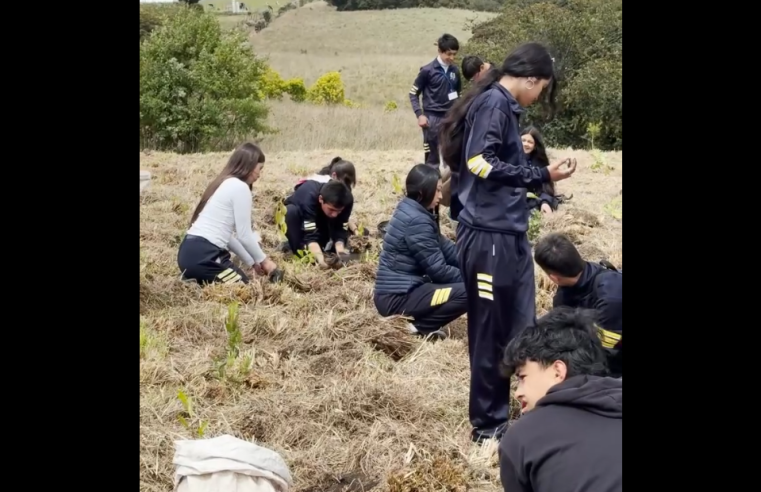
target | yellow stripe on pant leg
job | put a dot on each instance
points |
(229, 276)
(484, 284)
(445, 295)
(485, 277)
(233, 279)
(436, 296)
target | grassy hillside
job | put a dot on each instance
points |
(321, 378)
(378, 54)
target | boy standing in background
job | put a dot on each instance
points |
(440, 85)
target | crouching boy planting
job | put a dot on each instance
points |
(317, 219)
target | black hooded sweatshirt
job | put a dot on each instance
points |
(570, 442)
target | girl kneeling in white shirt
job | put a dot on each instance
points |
(225, 207)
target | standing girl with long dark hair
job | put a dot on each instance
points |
(482, 144)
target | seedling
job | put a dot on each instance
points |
(397, 184)
(280, 212)
(599, 164)
(615, 208)
(187, 404)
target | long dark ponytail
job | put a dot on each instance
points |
(527, 60)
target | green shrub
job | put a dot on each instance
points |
(296, 89)
(328, 89)
(585, 38)
(272, 84)
(152, 15)
(199, 88)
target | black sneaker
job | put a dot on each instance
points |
(479, 436)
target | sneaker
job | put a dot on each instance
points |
(479, 436)
(435, 335)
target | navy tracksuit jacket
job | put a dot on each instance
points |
(600, 289)
(435, 84)
(307, 223)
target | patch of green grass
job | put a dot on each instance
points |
(614, 208)
(152, 344)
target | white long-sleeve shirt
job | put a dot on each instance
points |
(227, 211)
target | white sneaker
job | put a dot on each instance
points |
(439, 334)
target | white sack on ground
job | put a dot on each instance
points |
(229, 464)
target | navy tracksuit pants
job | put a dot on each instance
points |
(431, 139)
(204, 262)
(432, 306)
(498, 272)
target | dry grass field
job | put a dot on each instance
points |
(320, 378)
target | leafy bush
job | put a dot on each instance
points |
(296, 89)
(272, 85)
(328, 89)
(586, 39)
(199, 88)
(152, 15)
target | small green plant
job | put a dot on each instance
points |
(231, 367)
(370, 256)
(361, 230)
(614, 208)
(189, 420)
(234, 336)
(304, 257)
(600, 165)
(144, 340)
(593, 131)
(391, 106)
(280, 212)
(534, 225)
(397, 184)
(151, 344)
